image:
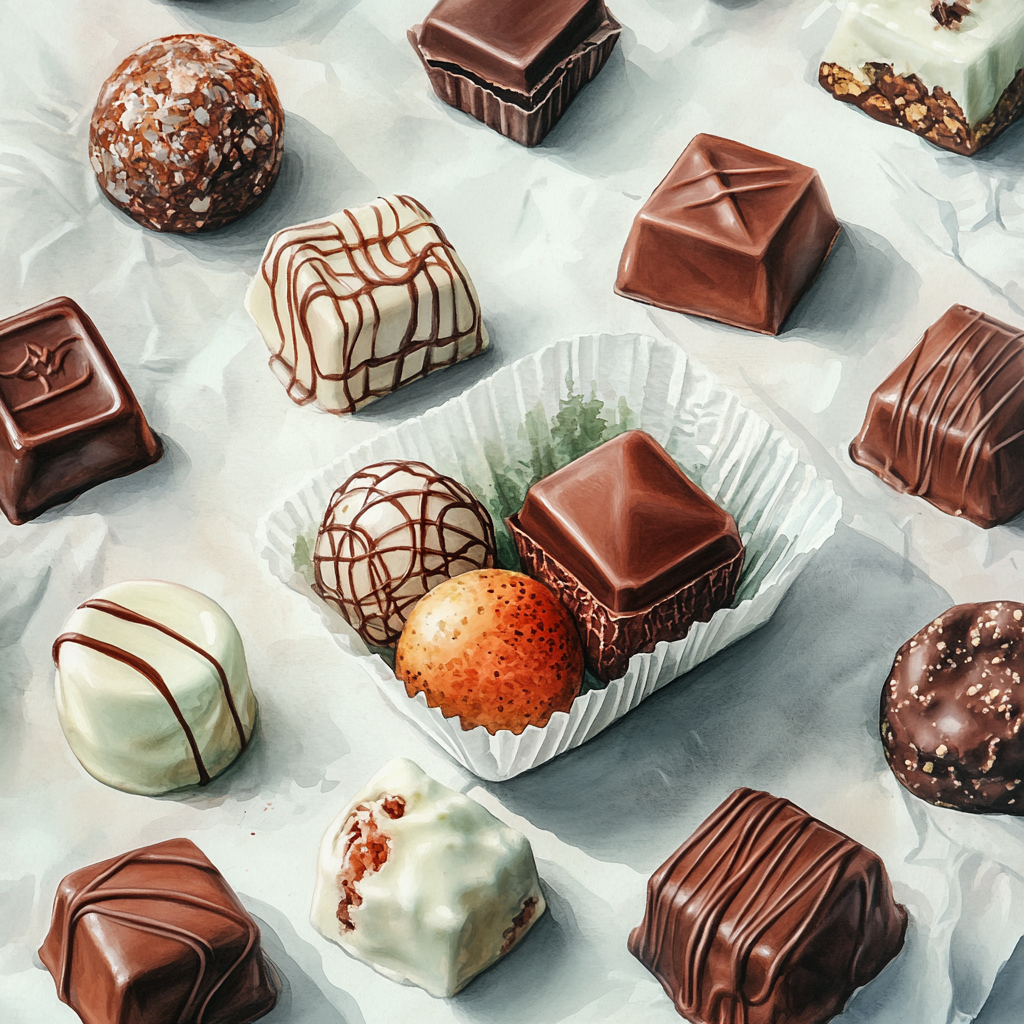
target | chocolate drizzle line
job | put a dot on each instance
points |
(355, 547)
(350, 271)
(91, 898)
(777, 859)
(968, 357)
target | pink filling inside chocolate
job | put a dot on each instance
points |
(366, 850)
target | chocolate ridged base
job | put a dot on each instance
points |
(611, 638)
(525, 119)
(905, 102)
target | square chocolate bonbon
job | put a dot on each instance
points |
(731, 233)
(634, 549)
(948, 423)
(768, 916)
(68, 419)
(515, 65)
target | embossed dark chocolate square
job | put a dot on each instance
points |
(68, 419)
(948, 423)
(731, 233)
(153, 936)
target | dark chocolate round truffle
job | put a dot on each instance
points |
(952, 710)
(187, 134)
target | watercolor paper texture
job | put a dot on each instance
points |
(790, 708)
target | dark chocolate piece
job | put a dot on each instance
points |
(187, 134)
(731, 233)
(949, 15)
(946, 423)
(516, 65)
(634, 549)
(68, 419)
(157, 936)
(952, 710)
(766, 915)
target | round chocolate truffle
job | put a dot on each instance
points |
(392, 532)
(187, 134)
(496, 648)
(952, 710)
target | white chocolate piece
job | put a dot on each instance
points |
(110, 668)
(457, 891)
(354, 306)
(974, 61)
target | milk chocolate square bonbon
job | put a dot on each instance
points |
(68, 419)
(948, 423)
(516, 65)
(731, 233)
(635, 550)
(768, 916)
(153, 936)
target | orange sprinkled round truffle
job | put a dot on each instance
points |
(494, 647)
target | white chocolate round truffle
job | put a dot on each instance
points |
(152, 688)
(423, 883)
(392, 532)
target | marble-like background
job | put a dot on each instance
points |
(792, 708)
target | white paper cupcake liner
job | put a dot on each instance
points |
(528, 420)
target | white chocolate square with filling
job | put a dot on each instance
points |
(973, 60)
(423, 883)
(356, 305)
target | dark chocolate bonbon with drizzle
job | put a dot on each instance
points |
(948, 423)
(766, 915)
(356, 305)
(152, 688)
(157, 936)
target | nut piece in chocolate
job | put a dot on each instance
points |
(731, 233)
(953, 706)
(946, 423)
(68, 419)
(187, 134)
(154, 936)
(948, 71)
(515, 65)
(766, 915)
(356, 305)
(634, 549)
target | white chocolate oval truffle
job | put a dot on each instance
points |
(152, 688)
(423, 883)
(392, 532)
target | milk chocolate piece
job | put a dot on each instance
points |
(68, 419)
(954, 78)
(157, 936)
(516, 65)
(946, 423)
(766, 915)
(952, 710)
(731, 233)
(187, 134)
(634, 549)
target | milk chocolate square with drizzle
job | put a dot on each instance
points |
(157, 935)
(68, 419)
(731, 233)
(948, 423)
(766, 915)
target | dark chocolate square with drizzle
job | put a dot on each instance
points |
(635, 550)
(732, 233)
(157, 935)
(68, 419)
(948, 423)
(768, 916)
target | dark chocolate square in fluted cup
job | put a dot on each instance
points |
(68, 418)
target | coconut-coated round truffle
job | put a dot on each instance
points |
(187, 134)
(392, 532)
(494, 647)
(953, 707)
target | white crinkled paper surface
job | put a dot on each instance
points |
(791, 707)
